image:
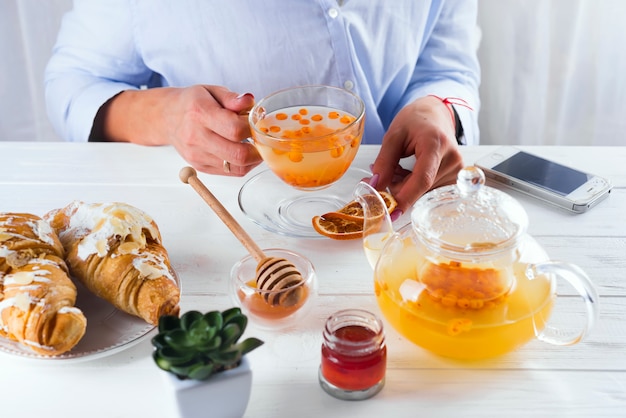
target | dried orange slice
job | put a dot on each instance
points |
(338, 226)
(347, 222)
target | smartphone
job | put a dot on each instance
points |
(547, 180)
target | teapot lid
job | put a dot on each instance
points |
(469, 217)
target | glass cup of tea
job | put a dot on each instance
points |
(308, 136)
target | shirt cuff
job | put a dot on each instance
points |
(86, 106)
(467, 118)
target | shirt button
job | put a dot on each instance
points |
(348, 85)
(333, 13)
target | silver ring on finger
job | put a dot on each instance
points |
(226, 167)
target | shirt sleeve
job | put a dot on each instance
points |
(448, 65)
(94, 59)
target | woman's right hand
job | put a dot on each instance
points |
(206, 124)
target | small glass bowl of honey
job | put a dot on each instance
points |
(276, 308)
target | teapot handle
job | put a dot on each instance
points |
(578, 279)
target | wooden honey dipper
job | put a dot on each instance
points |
(272, 273)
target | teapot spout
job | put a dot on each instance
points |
(377, 226)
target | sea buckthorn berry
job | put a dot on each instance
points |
(302, 180)
(377, 289)
(278, 151)
(336, 152)
(476, 304)
(274, 128)
(303, 111)
(288, 134)
(345, 120)
(458, 325)
(463, 303)
(448, 300)
(477, 295)
(295, 156)
(317, 118)
(304, 121)
(264, 129)
(333, 115)
(296, 116)
(281, 116)
(306, 130)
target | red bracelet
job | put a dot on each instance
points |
(449, 101)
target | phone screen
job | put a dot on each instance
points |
(543, 173)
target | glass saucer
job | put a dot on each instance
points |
(269, 202)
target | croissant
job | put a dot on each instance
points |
(37, 296)
(115, 250)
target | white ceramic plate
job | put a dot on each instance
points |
(109, 331)
(279, 208)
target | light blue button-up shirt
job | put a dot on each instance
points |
(387, 52)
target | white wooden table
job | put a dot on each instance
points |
(587, 380)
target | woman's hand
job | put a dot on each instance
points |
(426, 130)
(206, 124)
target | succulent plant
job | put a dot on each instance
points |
(197, 345)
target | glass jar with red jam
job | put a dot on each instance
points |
(354, 355)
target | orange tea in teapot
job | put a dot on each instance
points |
(464, 279)
(464, 312)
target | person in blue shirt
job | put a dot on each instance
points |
(182, 73)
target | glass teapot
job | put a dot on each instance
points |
(464, 279)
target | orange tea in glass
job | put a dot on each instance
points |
(309, 135)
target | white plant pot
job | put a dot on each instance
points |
(225, 394)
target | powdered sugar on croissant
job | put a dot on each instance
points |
(115, 249)
(37, 296)
(114, 229)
